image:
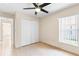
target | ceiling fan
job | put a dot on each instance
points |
(38, 7)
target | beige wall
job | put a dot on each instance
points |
(18, 17)
(49, 32)
(6, 14)
(48, 27)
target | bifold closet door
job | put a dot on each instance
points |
(29, 32)
(25, 33)
(34, 32)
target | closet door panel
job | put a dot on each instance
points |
(25, 32)
(29, 32)
(34, 31)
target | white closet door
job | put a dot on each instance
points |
(34, 32)
(25, 32)
(29, 32)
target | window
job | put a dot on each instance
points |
(68, 30)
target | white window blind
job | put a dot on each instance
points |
(68, 30)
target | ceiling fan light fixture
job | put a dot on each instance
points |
(37, 10)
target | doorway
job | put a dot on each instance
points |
(6, 35)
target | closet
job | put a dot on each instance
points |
(26, 30)
(29, 32)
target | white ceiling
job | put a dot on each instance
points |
(14, 7)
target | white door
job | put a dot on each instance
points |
(7, 38)
(6, 33)
(34, 32)
(29, 32)
(25, 32)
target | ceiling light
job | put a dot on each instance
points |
(37, 9)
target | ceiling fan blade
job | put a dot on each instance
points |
(43, 5)
(29, 8)
(35, 4)
(35, 13)
(44, 10)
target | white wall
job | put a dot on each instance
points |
(18, 34)
(49, 30)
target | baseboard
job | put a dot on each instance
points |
(60, 49)
(26, 45)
